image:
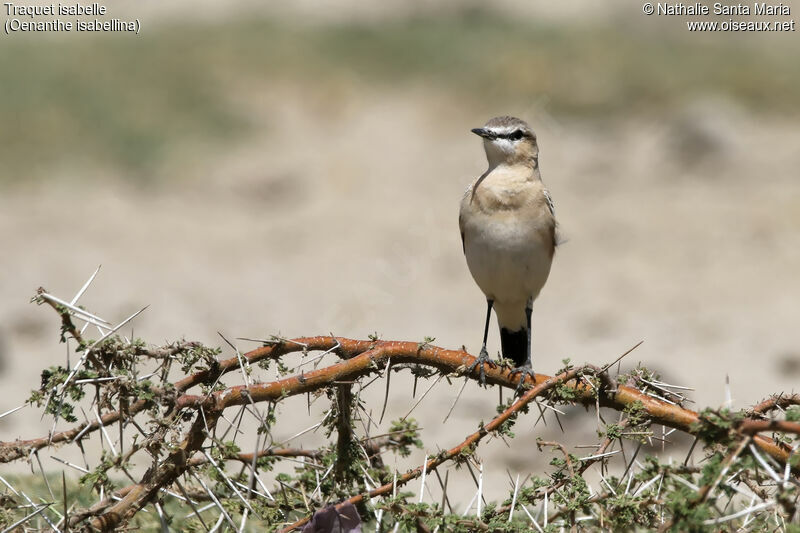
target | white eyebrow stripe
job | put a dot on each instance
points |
(504, 130)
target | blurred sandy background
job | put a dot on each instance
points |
(257, 170)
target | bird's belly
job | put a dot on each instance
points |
(509, 260)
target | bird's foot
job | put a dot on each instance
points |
(481, 360)
(524, 371)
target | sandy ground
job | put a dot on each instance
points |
(682, 233)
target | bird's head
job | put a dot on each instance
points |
(508, 140)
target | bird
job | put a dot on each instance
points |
(508, 236)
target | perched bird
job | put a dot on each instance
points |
(508, 233)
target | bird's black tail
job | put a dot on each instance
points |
(515, 345)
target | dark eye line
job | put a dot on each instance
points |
(513, 135)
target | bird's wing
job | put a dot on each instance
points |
(549, 199)
(465, 199)
(461, 227)
(556, 234)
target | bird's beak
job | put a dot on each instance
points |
(483, 132)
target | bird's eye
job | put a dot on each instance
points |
(517, 135)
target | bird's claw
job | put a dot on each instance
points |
(523, 371)
(481, 360)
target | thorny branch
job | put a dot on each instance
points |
(469, 443)
(360, 358)
(778, 401)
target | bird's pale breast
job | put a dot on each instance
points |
(508, 237)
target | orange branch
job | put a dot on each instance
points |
(17, 449)
(375, 358)
(751, 427)
(774, 402)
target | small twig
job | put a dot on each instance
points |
(554, 444)
(618, 359)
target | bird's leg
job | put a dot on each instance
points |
(483, 357)
(489, 304)
(526, 369)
